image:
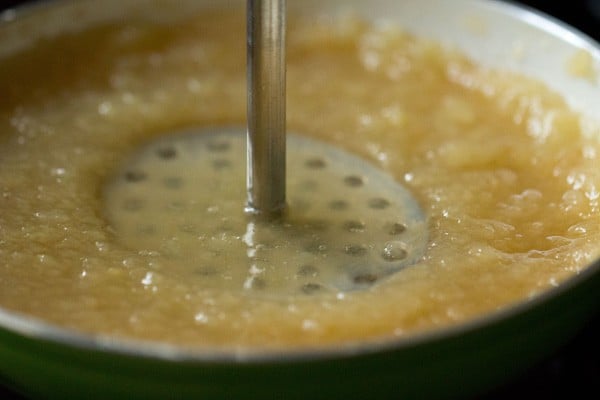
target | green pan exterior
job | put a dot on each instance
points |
(452, 364)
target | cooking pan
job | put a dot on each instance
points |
(44, 361)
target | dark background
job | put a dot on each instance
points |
(573, 371)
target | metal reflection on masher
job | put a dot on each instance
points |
(346, 225)
(266, 107)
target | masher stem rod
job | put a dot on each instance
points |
(266, 22)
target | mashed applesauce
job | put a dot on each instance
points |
(499, 164)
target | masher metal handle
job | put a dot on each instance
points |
(266, 159)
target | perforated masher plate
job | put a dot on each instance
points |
(348, 225)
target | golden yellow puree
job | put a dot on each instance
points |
(498, 163)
